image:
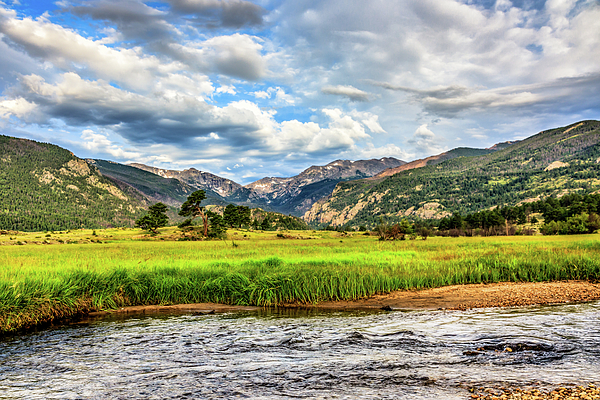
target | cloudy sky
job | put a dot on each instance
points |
(267, 88)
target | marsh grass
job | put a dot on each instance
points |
(39, 284)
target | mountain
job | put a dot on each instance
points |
(434, 160)
(551, 162)
(297, 194)
(293, 195)
(153, 187)
(218, 190)
(45, 187)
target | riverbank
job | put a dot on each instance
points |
(463, 297)
(589, 392)
(455, 297)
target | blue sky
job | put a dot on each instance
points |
(251, 89)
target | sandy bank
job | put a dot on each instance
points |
(463, 297)
(458, 297)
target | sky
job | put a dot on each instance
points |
(248, 89)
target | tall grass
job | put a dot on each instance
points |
(66, 280)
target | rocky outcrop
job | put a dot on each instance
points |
(298, 194)
(225, 188)
(294, 195)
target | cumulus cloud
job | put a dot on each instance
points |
(133, 19)
(237, 55)
(368, 119)
(281, 97)
(261, 94)
(67, 49)
(101, 144)
(225, 13)
(425, 141)
(18, 107)
(278, 94)
(348, 91)
(240, 126)
(229, 89)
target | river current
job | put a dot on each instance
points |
(324, 355)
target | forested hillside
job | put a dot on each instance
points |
(552, 162)
(45, 187)
(154, 187)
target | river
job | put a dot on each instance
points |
(277, 354)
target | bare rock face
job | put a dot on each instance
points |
(294, 195)
(203, 180)
(298, 193)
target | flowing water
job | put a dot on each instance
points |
(328, 355)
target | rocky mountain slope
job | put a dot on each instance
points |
(45, 187)
(552, 162)
(293, 195)
(440, 158)
(215, 187)
(297, 194)
(153, 187)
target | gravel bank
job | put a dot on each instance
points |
(570, 393)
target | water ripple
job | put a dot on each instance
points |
(289, 354)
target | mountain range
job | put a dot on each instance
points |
(550, 163)
(46, 187)
(294, 195)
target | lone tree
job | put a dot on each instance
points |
(191, 208)
(156, 218)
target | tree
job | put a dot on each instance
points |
(593, 222)
(243, 215)
(156, 218)
(217, 226)
(237, 216)
(191, 208)
(230, 215)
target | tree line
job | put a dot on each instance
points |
(213, 224)
(570, 214)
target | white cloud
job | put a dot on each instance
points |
(425, 141)
(229, 89)
(283, 98)
(19, 108)
(261, 94)
(389, 150)
(368, 119)
(66, 49)
(99, 143)
(348, 91)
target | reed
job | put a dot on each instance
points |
(68, 280)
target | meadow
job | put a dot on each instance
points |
(60, 275)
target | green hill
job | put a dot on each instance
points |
(45, 187)
(552, 162)
(154, 187)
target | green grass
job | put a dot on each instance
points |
(42, 283)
